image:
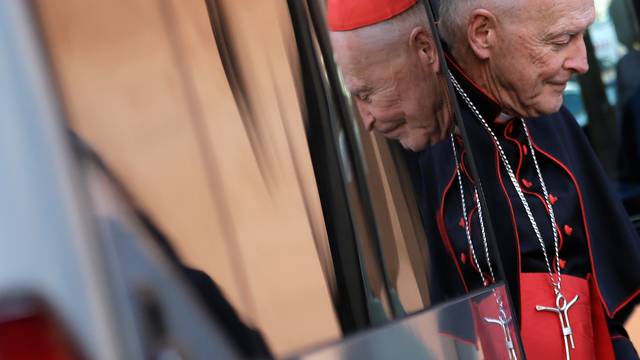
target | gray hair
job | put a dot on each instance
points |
(454, 15)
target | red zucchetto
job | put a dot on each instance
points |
(345, 15)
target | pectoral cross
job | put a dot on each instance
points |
(562, 309)
(503, 322)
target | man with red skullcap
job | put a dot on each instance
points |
(392, 69)
(570, 255)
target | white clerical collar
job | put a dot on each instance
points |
(503, 118)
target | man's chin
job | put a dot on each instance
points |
(546, 107)
(552, 108)
(413, 145)
(553, 104)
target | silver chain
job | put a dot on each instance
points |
(485, 243)
(502, 314)
(556, 284)
(466, 223)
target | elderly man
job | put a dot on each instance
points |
(393, 71)
(569, 253)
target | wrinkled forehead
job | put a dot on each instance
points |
(362, 79)
(357, 58)
(352, 50)
(354, 70)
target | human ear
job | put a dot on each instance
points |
(422, 42)
(481, 32)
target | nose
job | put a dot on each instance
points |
(368, 120)
(577, 60)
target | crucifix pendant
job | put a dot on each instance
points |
(503, 322)
(562, 309)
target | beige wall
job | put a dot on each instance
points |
(143, 83)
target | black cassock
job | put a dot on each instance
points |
(596, 236)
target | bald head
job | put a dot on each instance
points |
(455, 15)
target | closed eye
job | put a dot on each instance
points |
(564, 40)
(365, 97)
(362, 93)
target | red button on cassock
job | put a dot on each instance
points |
(527, 183)
(568, 230)
(563, 263)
